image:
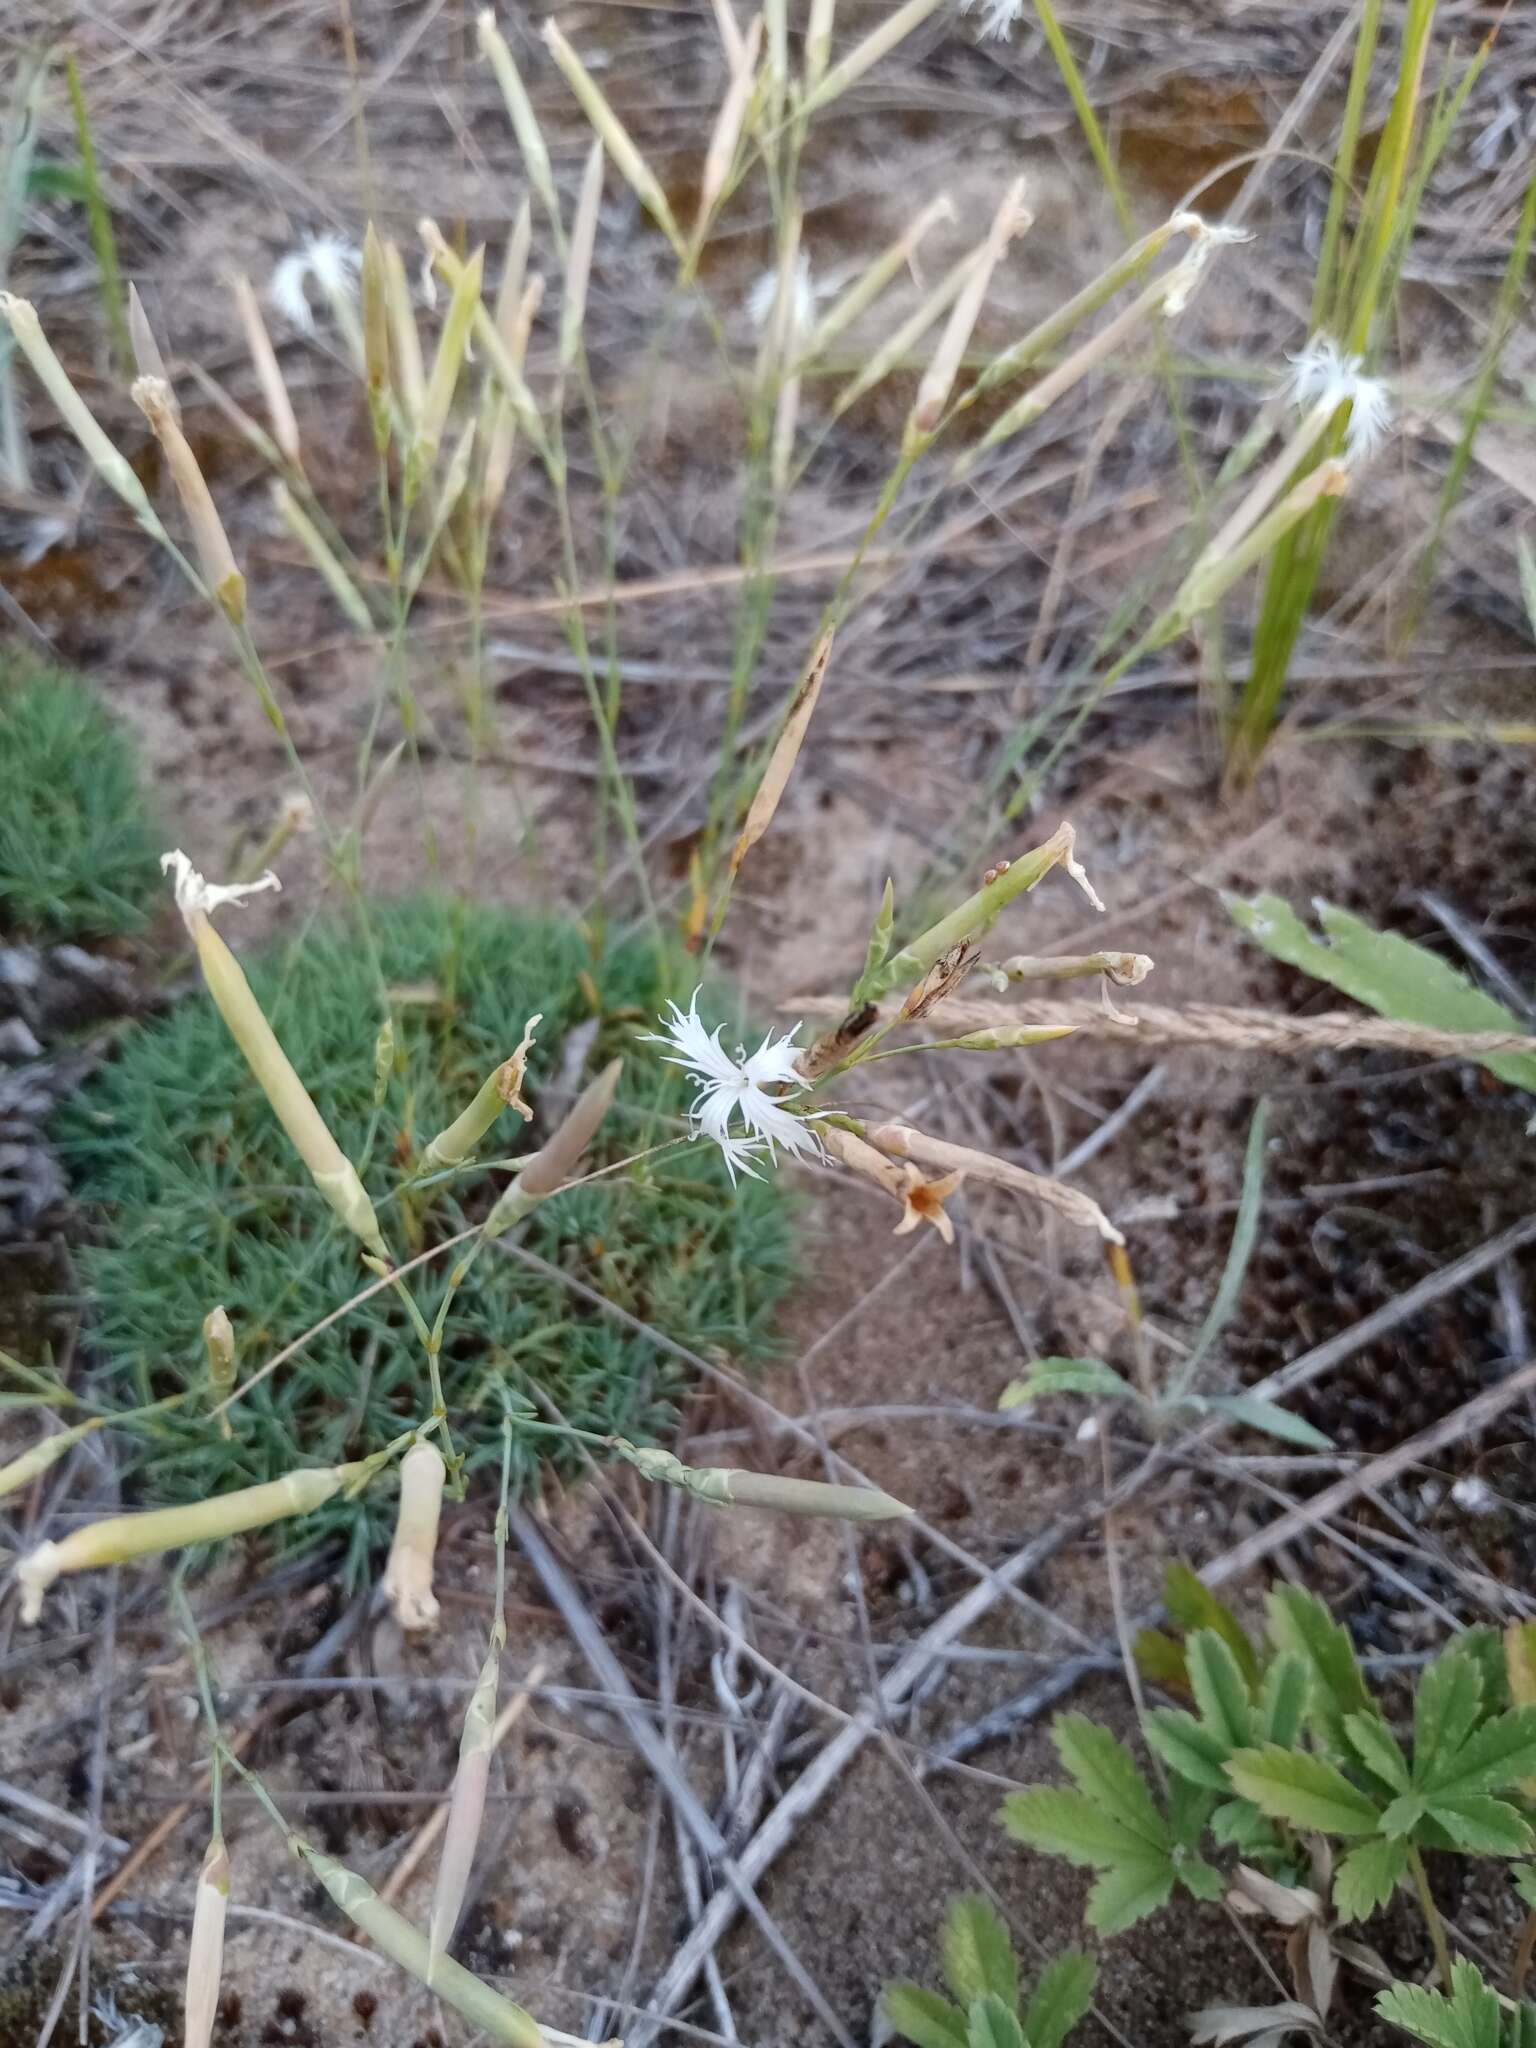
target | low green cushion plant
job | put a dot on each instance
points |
(78, 845)
(199, 1200)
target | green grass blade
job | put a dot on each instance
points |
(103, 241)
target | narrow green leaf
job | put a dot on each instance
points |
(1376, 1747)
(1066, 1823)
(1089, 1376)
(1106, 1771)
(1283, 1699)
(1245, 1231)
(1060, 1999)
(1445, 1711)
(1221, 1693)
(977, 1951)
(1307, 1791)
(1501, 1753)
(1299, 1622)
(1192, 1604)
(993, 2024)
(1367, 1878)
(923, 2017)
(1129, 1893)
(1266, 1416)
(1187, 1747)
(1484, 1826)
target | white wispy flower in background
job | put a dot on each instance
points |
(323, 260)
(1322, 374)
(997, 16)
(736, 1087)
(804, 292)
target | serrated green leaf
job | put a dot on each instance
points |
(1524, 1875)
(1187, 1747)
(1089, 1376)
(1200, 1879)
(1469, 2018)
(1238, 1824)
(1485, 1646)
(1484, 1826)
(1189, 1813)
(977, 1951)
(1129, 1893)
(1402, 1815)
(1256, 1413)
(1191, 1604)
(1520, 1662)
(1500, 1753)
(1299, 1622)
(1388, 974)
(1068, 1823)
(1160, 1660)
(1283, 1699)
(1367, 1878)
(992, 2024)
(923, 2017)
(1445, 1711)
(1060, 1999)
(1307, 1791)
(1106, 1771)
(1374, 1744)
(1221, 1693)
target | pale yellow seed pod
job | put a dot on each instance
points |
(578, 265)
(628, 161)
(269, 376)
(374, 286)
(900, 345)
(31, 1464)
(205, 1953)
(215, 556)
(449, 359)
(1011, 219)
(466, 1807)
(408, 1573)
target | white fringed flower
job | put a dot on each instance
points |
(324, 260)
(735, 1087)
(997, 16)
(804, 292)
(1323, 375)
(1205, 238)
(195, 896)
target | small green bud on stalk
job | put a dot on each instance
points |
(629, 163)
(31, 1464)
(219, 1343)
(724, 1486)
(408, 1573)
(525, 125)
(1006, 1038)
(113, 469)
(215, 557)
(120, 1538)
(500, 1090)
(383, 1061)
(322, 557)
(205, 1953)
(330, 1169)
(269, 377)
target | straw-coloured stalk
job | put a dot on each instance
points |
(872, 281)
(216, 559)
(900, 345)
(866, 55)
(330, 1169)
(905, 1143)
(786, 752)
(205, 1954)
(407, 370)
(501, 435)
(559, 1158)
(726, 134)
(921, 1200)
(1125, 970)
(408, 1573)
(219, 1345)
(508, 373)
(31, 1464)
(447, 363)
(322, 556)
(120, 1538)
(616, 139)
(723, 1486)
(530, 137)
(578, 262)
(1011, 219)
(147, 358)
(500, 1090)
(269, 377)
(113, 469)
(818, 43)
(1211, 579)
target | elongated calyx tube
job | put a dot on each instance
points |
(466, 1805)
(724, 1486)
(205, 1954)
(329, 1167)
(120, 1538)
(500, 1090)
(216, 558)
(31, 1464)
(408, 1573)
(557, 1160)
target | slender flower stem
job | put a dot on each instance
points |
(1432, 1918)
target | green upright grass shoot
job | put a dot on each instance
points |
(99, 215)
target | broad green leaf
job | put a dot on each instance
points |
(1403, 1814)
(1524, 1875)
(977, 1951)
(1061, 1998)
(1106, 1771)
(1160, 1660)
(1129, 1893)
(992, 2024)
(1187, 1747)
(923, 2017)
(1469, 2018)
(1283, 1699)
(1388, 974)
(1067, 1376)
(1445, 1710)
(1200, 1879)
(1484, 1826)
(1238, 1824)
(1191, 1604)
(1307, 1791)
(1374, 1744)
(1220, 1690)
(1255, 1413)
(1501, 1753)
(1367, 1878)
(1299, 1622)
(1066, 1823)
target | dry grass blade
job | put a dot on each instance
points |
(786, 751)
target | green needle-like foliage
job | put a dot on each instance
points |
(201, 1201)
(78, 846)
